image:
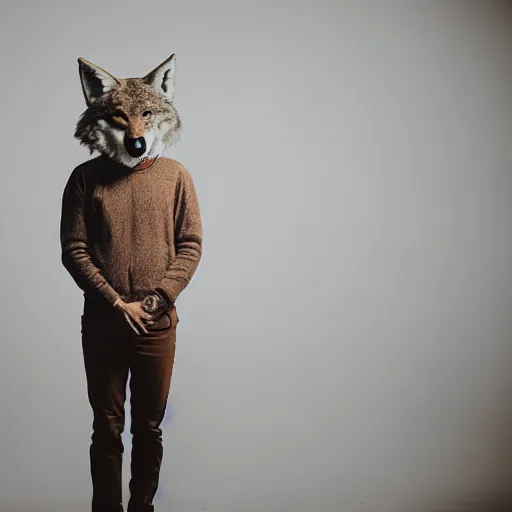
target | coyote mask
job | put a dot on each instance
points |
(130, 120)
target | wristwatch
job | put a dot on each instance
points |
(154, 303)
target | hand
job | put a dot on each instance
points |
(134, 315)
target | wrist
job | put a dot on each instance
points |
(119, 303)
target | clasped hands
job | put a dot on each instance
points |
(139, 314)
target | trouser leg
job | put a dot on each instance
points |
(151, 359)
(106, 367)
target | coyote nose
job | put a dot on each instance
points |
(135, 147)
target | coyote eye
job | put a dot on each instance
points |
(147, 113)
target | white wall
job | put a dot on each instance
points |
(346, 342)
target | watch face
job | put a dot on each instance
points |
(150, 303)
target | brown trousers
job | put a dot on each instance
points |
(112, 351)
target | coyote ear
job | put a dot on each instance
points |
(95, 81)
(162, 77)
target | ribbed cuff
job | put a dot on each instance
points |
(161, 293)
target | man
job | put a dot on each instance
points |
(131, 238)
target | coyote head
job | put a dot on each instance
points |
(128, 119)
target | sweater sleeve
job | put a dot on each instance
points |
(188, 238)
(74, 244)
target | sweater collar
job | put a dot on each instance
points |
(145, 164)
(116, 166)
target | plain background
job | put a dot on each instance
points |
(345, 344)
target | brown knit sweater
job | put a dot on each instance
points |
(126, 232)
